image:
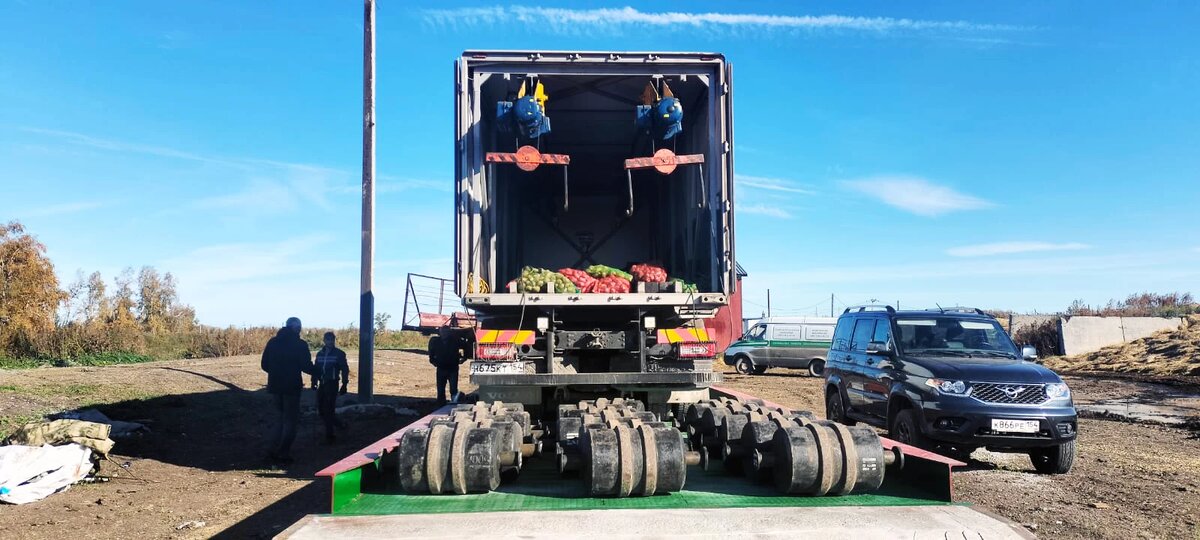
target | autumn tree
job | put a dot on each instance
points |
(96, 305)
(158, 307)
(29, 294)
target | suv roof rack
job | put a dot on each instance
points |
(860, 309)
(960, 309)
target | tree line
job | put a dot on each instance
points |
(135, 316)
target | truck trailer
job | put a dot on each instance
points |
(594, 203)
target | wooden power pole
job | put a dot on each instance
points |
(366, 305)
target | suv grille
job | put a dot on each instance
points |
(1012, 394)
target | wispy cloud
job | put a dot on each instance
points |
(59, 209)
(173, 153)
(771, 184)
(765, 210)
(270, 185)
(393, 184)
(561, 20)
(1145, 265)
(226, 263)
(1009, 248)
(916, 195)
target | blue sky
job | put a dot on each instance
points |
(1017, 155)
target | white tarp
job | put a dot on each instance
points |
(31, 473)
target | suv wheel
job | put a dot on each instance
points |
(1055, 459)
(905, 429)
(743, 365)
(816, 368)
(834, 410)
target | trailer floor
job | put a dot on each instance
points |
(830, 522)
(540, 487)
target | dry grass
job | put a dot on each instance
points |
(1166, 353)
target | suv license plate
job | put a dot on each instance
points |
(1015, 426)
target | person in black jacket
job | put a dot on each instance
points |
(331, 365)
(445, 355)
(285, 357)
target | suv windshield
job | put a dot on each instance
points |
(949, 336)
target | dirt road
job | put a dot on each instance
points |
(200, 472)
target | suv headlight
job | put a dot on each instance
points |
(944, 386)
(1057, 390)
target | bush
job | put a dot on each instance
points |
(1044, 336)
(1141, 305)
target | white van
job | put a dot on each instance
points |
(788, 342)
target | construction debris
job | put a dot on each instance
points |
(32, 473)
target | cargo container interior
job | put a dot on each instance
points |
(530, 219)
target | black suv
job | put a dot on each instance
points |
(948, 380)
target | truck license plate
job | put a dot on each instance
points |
(1015, 426)
(501, 367)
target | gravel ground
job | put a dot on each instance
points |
(201, 473)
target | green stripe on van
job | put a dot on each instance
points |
(807, 344)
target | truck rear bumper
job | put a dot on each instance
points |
(566, 379)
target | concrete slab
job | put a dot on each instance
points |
(826, 523)
(1085, 334)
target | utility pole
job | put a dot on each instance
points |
(366, 301)
(768, 302)
(830, 304)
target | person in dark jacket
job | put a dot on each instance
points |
(285, 358)
(445, 355)
(331, 365)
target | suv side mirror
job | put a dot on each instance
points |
(879, 347)
(1029, 352)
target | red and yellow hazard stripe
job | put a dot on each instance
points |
(516, 337)
(683, 335)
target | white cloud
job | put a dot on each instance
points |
(916, 195)
(1008, 248)
(764, 210)
(580, 20)
(60, 209)
(771, 184)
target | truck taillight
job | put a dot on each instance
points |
(495, 351)
(704, 349)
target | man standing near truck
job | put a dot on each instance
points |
(331, 365)
(285, 357)
(445, 356)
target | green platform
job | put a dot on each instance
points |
(540, 487)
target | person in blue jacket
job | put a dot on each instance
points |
(285, 358)
(331, 365)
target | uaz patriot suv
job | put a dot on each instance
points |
(949, 380)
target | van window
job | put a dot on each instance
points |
(864, 330)
(841, 336)
(883, 331)
(756, 332)
(818, 333)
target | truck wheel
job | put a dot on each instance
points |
(1054, 459)
(835, 410)
(816, 368)
(743, 365)
(905, 429)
